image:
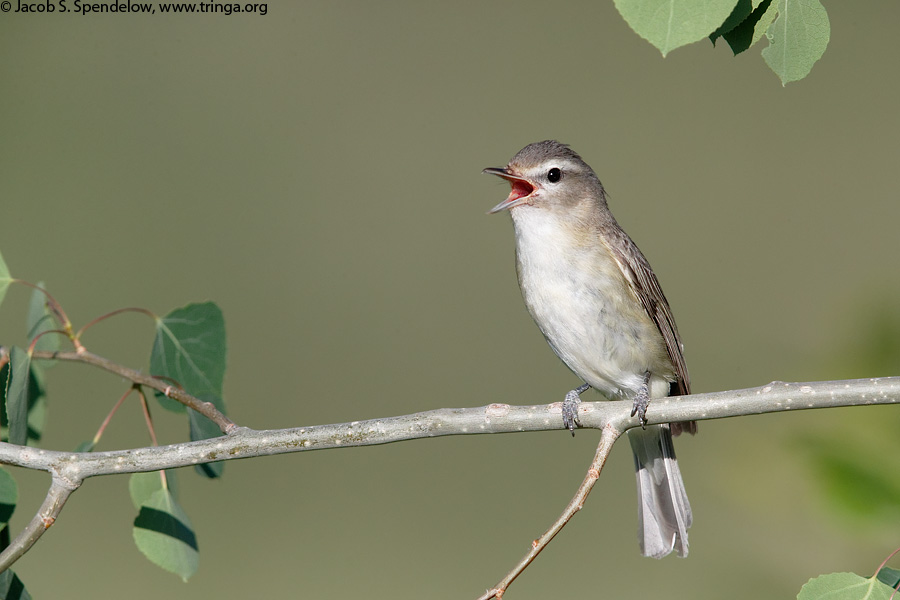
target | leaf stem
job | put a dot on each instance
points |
(112, 314)
(109, 416)
(57, 310)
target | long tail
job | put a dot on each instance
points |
(664, 513)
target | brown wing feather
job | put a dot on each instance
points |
(646, 286)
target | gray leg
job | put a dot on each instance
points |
(570, 407)
(642, 401)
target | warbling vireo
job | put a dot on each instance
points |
(600, 307)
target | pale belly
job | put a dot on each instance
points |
(586, 310)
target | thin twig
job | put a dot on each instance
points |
(59, 492)
(109, 416)
(145, 408)
(207, 409)
(608, 437)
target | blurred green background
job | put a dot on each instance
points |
(316, 171)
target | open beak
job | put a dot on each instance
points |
(521, 188)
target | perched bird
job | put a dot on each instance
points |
(599, 305)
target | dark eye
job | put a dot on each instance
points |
(553, 175)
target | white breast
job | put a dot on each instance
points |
(582, 303)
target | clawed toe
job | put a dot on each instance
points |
(570, 408)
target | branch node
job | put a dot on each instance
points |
(496, 410)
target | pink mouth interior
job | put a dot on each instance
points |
(520, 189)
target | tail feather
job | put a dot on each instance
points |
(664, 513)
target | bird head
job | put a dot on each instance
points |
(547, 174)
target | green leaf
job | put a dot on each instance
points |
(9, 495)
(201, 429)
(37, 403)
(163, 532)
(4, 389)
(17, 396)
(740, 12)
(141, 486)
(797, 38)
(752, 28)
(189, 350)
(669, 24)
(844, 586)
(5, 278)
(889, 577)
(11, 587)
(39, 320)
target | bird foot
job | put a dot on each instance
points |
(642, 402)
(570, 408)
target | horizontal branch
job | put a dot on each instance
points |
(70, 469)
(243, 442)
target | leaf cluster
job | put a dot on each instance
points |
(797, 30)
(188, 354)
